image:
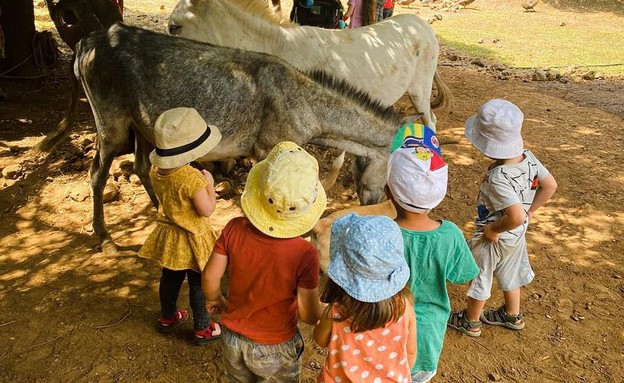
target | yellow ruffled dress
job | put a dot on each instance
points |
(182, 238)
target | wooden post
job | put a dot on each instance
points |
(18, 24)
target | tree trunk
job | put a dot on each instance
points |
(18, 24)
(74, 19)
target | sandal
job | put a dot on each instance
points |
(168, 325)
(501, 318)
(209, 334)
(459, 322)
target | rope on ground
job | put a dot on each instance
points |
(118, 322)
(45, 56)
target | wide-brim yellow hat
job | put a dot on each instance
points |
(283, 197)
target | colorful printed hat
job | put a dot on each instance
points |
(182, 136)
(366, 257)
(495, 129)
(417, 175)
(283, 197)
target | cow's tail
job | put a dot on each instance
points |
(332, 177)
(443, 98)
(53, 138)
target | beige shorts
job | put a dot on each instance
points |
(249, 362)
(507, 260)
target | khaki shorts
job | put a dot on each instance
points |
(249, 362)
(507, 260)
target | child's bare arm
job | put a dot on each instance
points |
(309, 306)
(513, 217)
(205, 200)
(349, 12)
(410, 318)
(322, 330)
(211, 282)
(545, 189)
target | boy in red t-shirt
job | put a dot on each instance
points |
(273, 272)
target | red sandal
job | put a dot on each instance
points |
(209, 334)
(168, 325)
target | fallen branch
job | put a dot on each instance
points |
(118, 322)
(42, 344)
(7, 323)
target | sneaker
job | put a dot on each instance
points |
(168, 325)
(459, 322)
(209, 334)
(500, 317)
(423, 376)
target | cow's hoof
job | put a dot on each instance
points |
(109, 248)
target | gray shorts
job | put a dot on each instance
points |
(249, 362)
(507, 260)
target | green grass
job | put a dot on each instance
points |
(534, 39)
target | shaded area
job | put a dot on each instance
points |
(74, 314)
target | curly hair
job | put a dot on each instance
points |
(366, 316)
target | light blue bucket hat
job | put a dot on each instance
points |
(366, 257)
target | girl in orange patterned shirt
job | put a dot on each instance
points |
(369, 326)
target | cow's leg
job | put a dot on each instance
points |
(142, 166)
(422, 104)
(420, 91)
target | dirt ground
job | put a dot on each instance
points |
(72, 314)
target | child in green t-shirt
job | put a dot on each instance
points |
(436, 251)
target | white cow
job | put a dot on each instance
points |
(385, 60)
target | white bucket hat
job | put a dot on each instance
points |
(182, 136)
(417, 175)
(495, 129)
(283, 196)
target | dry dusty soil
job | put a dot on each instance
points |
(72, 314)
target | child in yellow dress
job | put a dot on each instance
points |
(183, 238)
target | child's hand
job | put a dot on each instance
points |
(489, 234)
(216, 306)
(208, 177)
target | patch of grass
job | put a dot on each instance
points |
(550, 37)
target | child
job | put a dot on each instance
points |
(388, 9)
(273, 273)
(354, 12)
(369, 325)
(362, 13)
(183, 238)
(436, 251)
(515, 186)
